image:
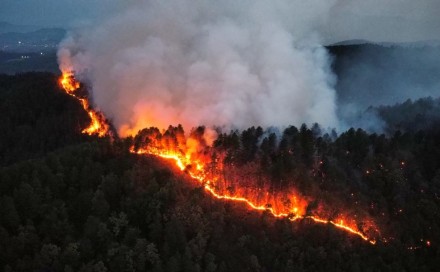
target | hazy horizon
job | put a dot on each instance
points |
(372, 20)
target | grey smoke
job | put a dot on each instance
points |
(218, 64)
(221, 63)
(398, 21)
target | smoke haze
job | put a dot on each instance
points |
(214, 63)
(383, 74)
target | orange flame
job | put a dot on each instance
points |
(98, 124)
(197, 169)
(293, 207)
(68, 82)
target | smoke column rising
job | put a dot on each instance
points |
(213, 63)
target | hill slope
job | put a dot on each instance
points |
(75, 203)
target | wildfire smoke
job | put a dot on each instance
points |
(219, 63)
(195, 156)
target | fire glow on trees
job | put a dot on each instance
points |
(206, 165)
(98, 124)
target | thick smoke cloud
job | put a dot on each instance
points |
(218, 64)
(230, 63)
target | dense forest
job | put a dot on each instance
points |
(20, 62)
(411, 115)
(70, 202)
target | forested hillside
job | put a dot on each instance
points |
(411, 115)
(70, 202)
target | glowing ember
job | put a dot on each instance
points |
(295, 208)
(98, 125)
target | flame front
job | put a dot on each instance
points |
(292, 207)
(68, 82)
(98, 125)
(288, 205)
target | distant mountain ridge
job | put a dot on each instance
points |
(6, 27)
(43, 34)
(385, 73)
(29, 39)
(358, 42)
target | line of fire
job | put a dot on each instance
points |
(211, 168)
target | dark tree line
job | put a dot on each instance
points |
(36, 116)
(411, 115)
(75, 203)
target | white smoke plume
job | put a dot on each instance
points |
(230, 63)
(215, 63)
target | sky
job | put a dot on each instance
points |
(162, 57)
(55, 13)
(375, 20)
(385, 20)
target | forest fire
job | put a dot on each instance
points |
(68, 82)
(290, 205)
(206, 166)
(98, 124)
